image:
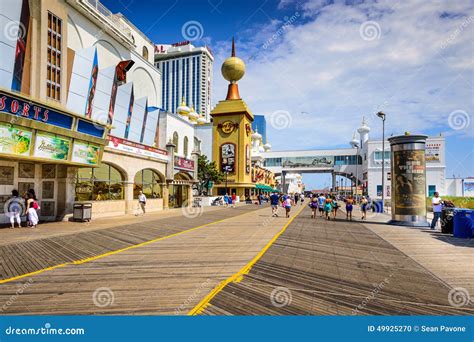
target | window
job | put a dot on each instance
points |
(197, 144)
(378, 155)
(175, 141)
(54, 50)
(99, 184)
(185, 147)
(431, 190)
(145, 53)
(149, 182)
(379, 190)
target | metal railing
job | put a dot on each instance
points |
(109, 16)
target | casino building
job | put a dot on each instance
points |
(81, 115)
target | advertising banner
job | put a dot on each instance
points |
(228, 157)
(50, 146)
(15, 140)
(409, 181)
(85, 153)
(432, 152)
(309, 162)
(183, 163)
(136, 148)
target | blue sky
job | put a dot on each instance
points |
(315, 67)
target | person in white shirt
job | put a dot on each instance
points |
(32, 216)
(142, 201)
(437, 204)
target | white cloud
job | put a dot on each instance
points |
(418, 69)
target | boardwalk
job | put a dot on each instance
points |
(225, 262)
(333, 268)
(167, 276)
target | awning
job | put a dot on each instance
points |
(264, 187)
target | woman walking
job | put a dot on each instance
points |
(327, 207)
(15, 209)
(287, 206)
(32, 216)
(363, 206)
(314, 206)
(349, 207)
(335, 206)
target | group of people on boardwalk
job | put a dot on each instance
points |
(327, 205)
(25, 205)
(285, 201)
(230, 200)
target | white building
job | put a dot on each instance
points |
(187, 76)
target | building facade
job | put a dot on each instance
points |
(80, 109)
(187, 76)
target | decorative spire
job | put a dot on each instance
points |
(233, 48)
(233, 69)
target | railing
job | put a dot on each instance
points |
(109, 16)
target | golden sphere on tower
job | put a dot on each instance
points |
(233, 69)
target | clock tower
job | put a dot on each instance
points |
(232, 129)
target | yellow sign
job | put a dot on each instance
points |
(228, 126)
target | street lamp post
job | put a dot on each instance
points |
(357, 169)
(226, 170)
(382, 116)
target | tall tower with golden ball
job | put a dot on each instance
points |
(233, 69)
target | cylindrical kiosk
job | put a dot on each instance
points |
(408, 180)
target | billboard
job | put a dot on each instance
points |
(15, 140)
(409, 182)
(50, 146)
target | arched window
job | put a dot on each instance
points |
(149, 182)
(197, 144)
(175, 141)
(145, 53)
(185, 147)
(99, 184)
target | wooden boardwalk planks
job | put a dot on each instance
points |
(319, 267)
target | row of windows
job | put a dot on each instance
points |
(54, 51)
(107, 183)
(347, 160)
(378, 155)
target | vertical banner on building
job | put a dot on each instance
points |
(145, 117)
(409, 181)
(20, 52)
(113, 96)
(129, 115)
(92, 85)
(247, 159)
(228, 157)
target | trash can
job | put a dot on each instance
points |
(377, 206)
(447, 220)
(82, 212)
(463, 222)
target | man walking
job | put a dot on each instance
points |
(274, 200)
(142, 202)
(321, 203)
(437, 204)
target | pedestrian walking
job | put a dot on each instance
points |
(141, 203)
(234, 200)
(313, 204)
(297, 198)
(226, 200)
(287, 205)
(437, 205)
(302, 199)
(349, 207)
(335, 206)
(274, 200)
(15, 209)
(328, 207)
(364, 203)
(32, 216)
(321, 203)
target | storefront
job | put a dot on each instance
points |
(180, 188)
(41, 148)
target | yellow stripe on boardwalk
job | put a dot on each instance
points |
(82, 261)
(237, 277)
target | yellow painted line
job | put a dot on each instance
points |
(237, 277)
(82, 261)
